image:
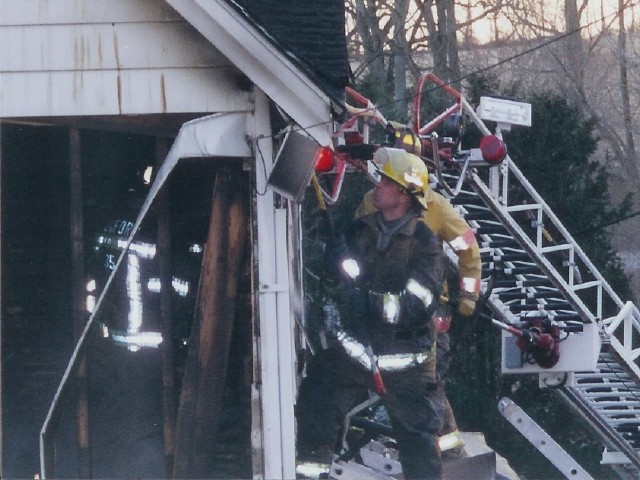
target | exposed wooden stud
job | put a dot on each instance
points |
(169, 400)
(78, 304)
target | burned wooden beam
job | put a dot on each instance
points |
(204, 380)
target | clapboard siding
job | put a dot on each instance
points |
(110, 92)
(69, 12)
(105, 46)
(96, 57)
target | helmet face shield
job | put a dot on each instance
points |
(373, 173)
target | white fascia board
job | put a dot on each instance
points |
(272, 72)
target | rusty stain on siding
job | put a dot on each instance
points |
(115, 49)
(100, 54)
(118, 79)
(163, 93)
(79, 53)
(119, 86)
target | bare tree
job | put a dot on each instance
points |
(395, 40)
(629, 149)
(399, 39)
(373, 35)
(400, 48)
(573, 47)
(441, 25)
(576, 60)
(581, 59)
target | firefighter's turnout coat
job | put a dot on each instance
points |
(388, 308)
(449, 227)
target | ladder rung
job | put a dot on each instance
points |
(522, 270)
(523, 295)
(466, 198)
(490, 229)
(478, 215)
(498, 243)
(532, 307)
(567, 317)
(512, 257)
(538, 282)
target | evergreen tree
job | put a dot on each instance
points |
(556, 154)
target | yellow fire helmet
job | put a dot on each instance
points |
(404, 168)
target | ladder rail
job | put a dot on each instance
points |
(534, 251)
(629, 328)
(509, 167)
(625, 324)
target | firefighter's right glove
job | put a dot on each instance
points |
(466, 305)
(335, 252)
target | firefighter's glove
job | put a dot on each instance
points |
(415, 314)
(442, 318)
(466, 305)
(335, 252)
(417, 309)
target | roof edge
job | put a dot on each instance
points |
(257, 57)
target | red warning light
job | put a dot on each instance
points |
(493, 149)
(325, 160)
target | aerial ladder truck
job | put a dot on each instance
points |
(557, 316)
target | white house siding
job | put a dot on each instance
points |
(74, 58)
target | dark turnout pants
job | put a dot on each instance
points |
(335, 383)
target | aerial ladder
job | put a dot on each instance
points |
(558, 317)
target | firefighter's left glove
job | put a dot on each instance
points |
(335, 252)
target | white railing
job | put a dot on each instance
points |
(625, 325)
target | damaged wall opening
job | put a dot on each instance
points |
(126, 394)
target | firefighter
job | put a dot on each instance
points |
(384, 280)
(440, 216)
